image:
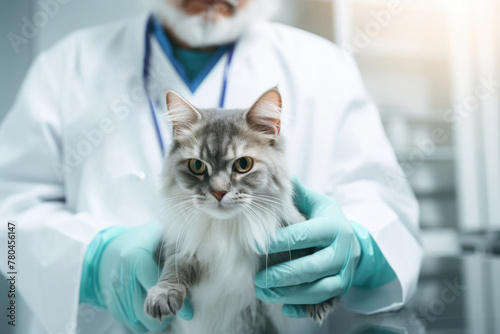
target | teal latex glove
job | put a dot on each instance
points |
(118, 268)
(345, 254)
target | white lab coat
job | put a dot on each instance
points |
(78, 153)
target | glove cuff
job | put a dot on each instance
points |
(89, 285)
(373, 269)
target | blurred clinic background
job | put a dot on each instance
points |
(432, 67)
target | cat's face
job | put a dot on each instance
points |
(226, 162)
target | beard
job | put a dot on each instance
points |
(207, 29)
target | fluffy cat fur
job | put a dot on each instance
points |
(209, 246)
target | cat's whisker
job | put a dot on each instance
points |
(165, 230)
(166, 207)
(255, 215)
(248, 210)
(274, 198)
(267, 196)
(288, 239)
(173, 210)
(191, 222)
(268, 199)
(180, 206)
(266, 209)
(176, 198)
(261, 219)
(177, 244)
(253, 212)
(262, 204)
(276, 218)
(180, 235)
(278, 205)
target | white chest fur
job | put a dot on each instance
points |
(223, 297)
(225, 290)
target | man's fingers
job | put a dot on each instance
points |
(128, 318)
(186, 312)
(307, 201)
(300, 199)
(295, 311)
(316, 232)
(309, 293)
(147, 271)
(323, 263)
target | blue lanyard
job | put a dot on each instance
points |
(145, 75)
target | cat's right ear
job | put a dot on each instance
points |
(265, 115)
(180, 112)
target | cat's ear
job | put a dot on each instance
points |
(180, 112)
(265, 115)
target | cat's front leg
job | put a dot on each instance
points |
(167, 296)
(317, 312)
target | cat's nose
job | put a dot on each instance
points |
(219, 194)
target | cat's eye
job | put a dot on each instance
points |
(243, 165)
(197, 166)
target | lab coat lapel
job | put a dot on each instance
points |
(165, 77)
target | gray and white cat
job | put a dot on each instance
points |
(227, 191)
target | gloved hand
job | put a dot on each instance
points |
(345, 254)
(118, 268)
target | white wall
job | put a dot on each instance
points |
(52, 19)
(78, 14)
(13, 66)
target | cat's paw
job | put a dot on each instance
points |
(164, 299)
(319, 312)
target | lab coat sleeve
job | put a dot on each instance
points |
(373, 191)
(51, 239)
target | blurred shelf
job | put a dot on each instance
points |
(400, 31)
(392, 50)
(414, 115)
(440, 241)
(481, 242)
(298, 13)
(429, 5)
(407, 85)
(436, 194)
(441, 153)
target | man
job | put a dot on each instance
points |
(81, 152)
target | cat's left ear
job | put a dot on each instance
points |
(180, 112)
(265, 115)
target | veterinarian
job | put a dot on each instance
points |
(82, 147)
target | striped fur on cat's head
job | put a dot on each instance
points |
(228, 166)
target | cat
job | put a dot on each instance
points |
(227, 192)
